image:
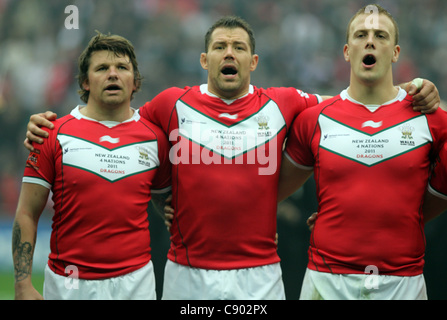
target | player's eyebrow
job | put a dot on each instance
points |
(233, 42)
(121, 63)
(383, 32)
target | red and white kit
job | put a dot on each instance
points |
(226, 156)
(371, 171)
(101, 175)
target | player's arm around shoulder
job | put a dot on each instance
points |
(161, 185)
(35, 132)
(297, 158)
(291, 177)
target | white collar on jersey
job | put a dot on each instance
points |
(78, 115)
(204, 90)
(373, 107)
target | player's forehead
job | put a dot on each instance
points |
(223, 34)
(366, 21)
(100, 57)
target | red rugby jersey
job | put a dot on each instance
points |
(371, 171)
(225, 172)
(101, 178)
(438, 180)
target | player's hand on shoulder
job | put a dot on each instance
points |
(426, 97)
(34, 132)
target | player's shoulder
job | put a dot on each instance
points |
(59, 122)
(278, 91)
(438, 113)
(319, 108)
(148, 124)
(151, 127)
(167, 97)
(175, 92)
(437, 120)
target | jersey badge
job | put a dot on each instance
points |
(407, 135)
(33, 160)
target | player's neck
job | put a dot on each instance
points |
(110, 113)
(372, 94)
(228, 94)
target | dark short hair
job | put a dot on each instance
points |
(231, 22)
(120, 46)
(381, 11)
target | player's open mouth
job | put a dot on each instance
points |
(229, 70)
(113, 88)
(369, 61)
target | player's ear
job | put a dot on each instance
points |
(396, 53)
(85, 85)
(346, 52)
(254, 62)
(203, 61)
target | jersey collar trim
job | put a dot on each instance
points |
(204, 90)
(78, 115)
(400, 97)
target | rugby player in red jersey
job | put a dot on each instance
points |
(370, 154)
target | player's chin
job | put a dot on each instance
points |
(231, 85)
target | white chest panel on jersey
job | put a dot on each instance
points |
(110, 164)
(371, 149)
(230, 141)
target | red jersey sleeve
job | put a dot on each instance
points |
(159, 110)
(40, 162)
(162, 180)
(438, 180)
(309, 100)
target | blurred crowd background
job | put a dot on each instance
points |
(300, 45)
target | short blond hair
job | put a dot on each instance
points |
(381, 10)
